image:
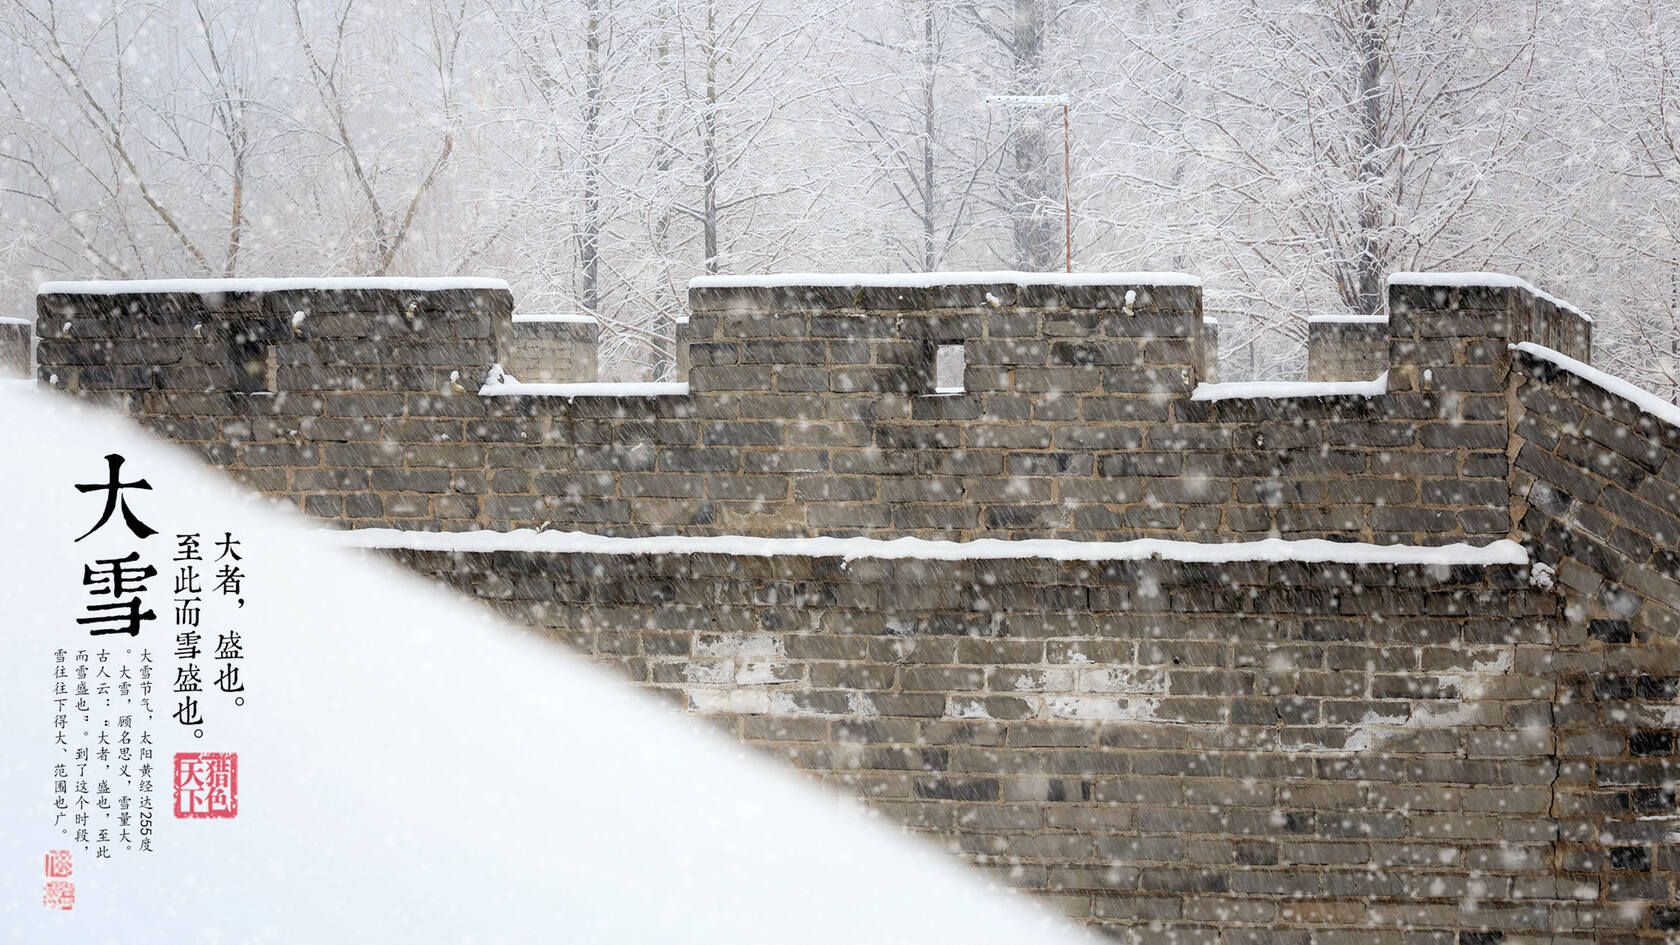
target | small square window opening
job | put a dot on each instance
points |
(948, 369)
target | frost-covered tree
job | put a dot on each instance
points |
(913, 111)
(1632, 127)
(128, 140)
(1381, 135)
(1324, 145)
(598, 153)
(1023, 39)
(577, 76)
(385, 151)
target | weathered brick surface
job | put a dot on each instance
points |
(1225, 753)
(1346, 350)
(1207, 369)
(550, 350)
(1596, 490)
(17, 349)
(812, 412)
(1257, 751)
(1596, 487)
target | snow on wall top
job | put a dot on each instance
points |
(1310, 550)
(1495, 280)
(572, 318)
(517, 388)
(926, 280)
(288, 284)
(1348, 320)
(1643, 399)
(1233, 390)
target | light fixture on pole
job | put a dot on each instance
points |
(1041, 101)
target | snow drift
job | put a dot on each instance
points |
(411, 768)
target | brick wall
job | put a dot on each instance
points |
(811, 411)
(1350, 349)
(1596, 486)
(550, 349)
(17, 349)
(1244, 752)
(1188, 752)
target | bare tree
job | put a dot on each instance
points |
(568, 64)
(733, 62)
(1023, 30)
(598, 153)
(137, 157)
(913, 125)
(1639, 241)
(391, 212)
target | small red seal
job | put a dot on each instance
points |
(59, 894)
(206, 784)
(59, 864)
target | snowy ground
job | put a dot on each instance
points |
(411, 769)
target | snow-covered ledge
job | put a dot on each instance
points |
(929, 280)
(1306, 550)
(592, 389)
(1234, 390)
(1149, 293)
(1347, 320)
(287, 284)
(563, 318)
(1639, 397)
(499, 383)
(1489, 280)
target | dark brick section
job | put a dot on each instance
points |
(1596, 483)
(1454, 337)
(1611, 631)
(1245, 752)
(17, 349)
(1630, 858)
(811, 413)
(1346, 350)
(299, 393)
(1183, 752)
(144, 348)
(1651, 743)
(1596, 490)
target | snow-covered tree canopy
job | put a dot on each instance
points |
(598, 153)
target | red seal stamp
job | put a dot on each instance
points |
(59, 894)
(59, 865)
(206, 784)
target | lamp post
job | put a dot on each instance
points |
(1040, 101)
